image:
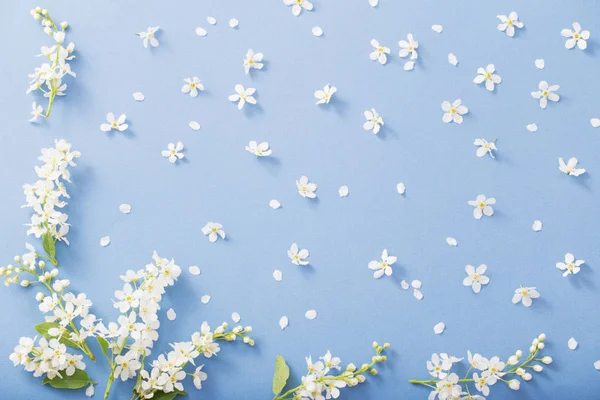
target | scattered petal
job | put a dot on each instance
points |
(373, 3)
(532, 128)
(105, 241)
(311, 314)
(194, 270)
(416, 284)
(139, 96)
(205, 299)
(418, 295)
(437, 28)
(317, 31)
(595, 122)
(283, 322)
(235, 317)
(597, 365)
(200, 31)
(452, 59)
(343, 191)
(540, 63)
(125, 208)
(404, 284)
(89, 392)
(537, 225)
(194, 125)
(277, 275)
(439, 328)
(211, 20)
(409, 65)
(401, 188)
(274, 204)
(171, 315)
(572, 344)
(451, 241)
(233, 23)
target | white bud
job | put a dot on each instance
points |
(42, 263)
(48, 31)
(541, 345)
(542, 337)
(44, 12)
(547, 360)
(54, 272)
(39, 296)
(535, 342)
(519, 354)
(64, 25)
(512, 360)
(532, 349)
(25, 283)
(538, 368)
(246, 339)
(17, 259)
(248, 329)
(520, 371)
(527, 376)
(514, 384)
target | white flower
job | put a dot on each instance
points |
(453, 112)
(199, 376)
(173, 152)
(325, 95)
(409, 47)
(148, 36)
(525, 294)
(191, 86)
(36, 112)
(331, 362)
(213, 230)
(259, 150)
(546, 93)
(116, 124)
(384, 266)
(298, 5)
(252, 60)
(508, 24)
(475, 277)
(570, 266)
(482, 206)
(305, 188)
(243, 96)
(127, 366)
(374, 121)
(379, 54)
(482, 382)
(569, 167)
(438, 367)
(487, 75)
(576, 37)
(298, 257)
(485, 147)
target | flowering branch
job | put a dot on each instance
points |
(168, 372)
(316, 381)
(447, 384)
(48, 77)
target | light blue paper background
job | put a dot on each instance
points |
(220, 182)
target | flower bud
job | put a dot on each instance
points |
(39, 296)
(541, 345)
(547, 360)
(519, 354)
(25, 283)
(54, 272)
(248, 329)
(542, 337)
(351, 367)
(42, 263)
(64, 25)
(2, 270)
(512, 360)
(538, 368)
(527, 376)
(520, 371)
(514, 384)
(375, 345)
(535, 342)
(17, 259)
(251, 342)
(532, 349)
(44, 12)
(373, 371)
(386, 345)
(48, 31)
(246, 339)
(360, 378)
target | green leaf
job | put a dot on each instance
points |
(282, 373)
(76, 381)
(43, 329)
(50, 246)
(160, 395)
(104, 346)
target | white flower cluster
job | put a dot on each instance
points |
(45, 196)
(447, 384)
(134, 333)
(168, 370)
(48, 78)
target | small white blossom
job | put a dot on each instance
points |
(324, 96)
(37, 111)
(524, 295)
(259, 150)
(508, 24)
(576, 37)
(213, 230)
(149, 36)
(487, 75)
(298, 257)
(374, 121)
(453, 112)
(475, 277)
(570, 167)
(483, 206)
(384, 266)
(380, 52)
(173, 152)
(298, 5)
(306, 188)
(252, 61)
(114, 124)
(570, 266)
(192, 86)
(409, 47)
(546, 93)
(243, 96)
(485, 147)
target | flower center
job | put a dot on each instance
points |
(576, 36)
(545, 93)
(476, 276)
(509, 22)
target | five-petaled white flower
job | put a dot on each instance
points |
(482, 382)
(199, 376)
(487, 75)
(475, 277)
(485, 147)
(570, 266)
(298, 257)
(173, 152)
(525, 294)
(453, 112)
(483, 206)
(508, 24)
(305, 188)
(324, 96)
(36, 112)
(192, 86)
(546, 93)
(148, 36)
(298, 5)
(570, 167)
(384, 266)
(213, 230)
(243, 96)
(259, 150)
(576, 37)
(252, 60)
(116, 124)
(409, 47)
(374, 121)
(379, 54)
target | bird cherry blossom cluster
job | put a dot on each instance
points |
(48, 77)
(169, 370)
(46, 196)
(131, 338)
(482, 372)
(324, 378)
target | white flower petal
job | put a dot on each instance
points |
(532, 128)
(125, 208)
(452, 59)
(597, 365)
(277, 275)
(373, 3)
(437, 28)
(139, 96)
(572, 344)
(200, 31)
(171, 315)
(235, 317)
(451, 241)
(233, 23)
(211, 20)
(105, 241)
(283, 322)
(537, 225)
(194, 270)
(417, 293)
(540, 63)
(343, 191)
(205, 299)
(404, 285)
(595, 122)
(194, 125)
(274, 204)
(416, 284)
(409, 65)
(401, 188)
(439, 328)
(317, 31)
(311, 314)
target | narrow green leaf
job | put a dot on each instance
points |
(78, 380)
(49, 246)
(282, 373)
(43, 329)
(104, 346)
(160, 395)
